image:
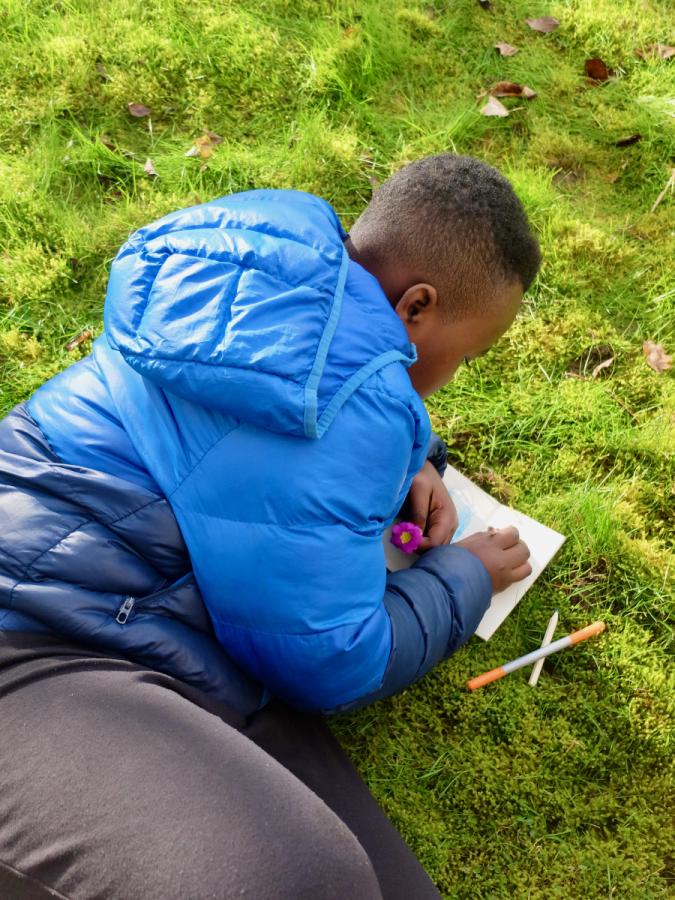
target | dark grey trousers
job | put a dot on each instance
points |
(120, 783)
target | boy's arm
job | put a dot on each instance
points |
(437, 454)
(434, 607)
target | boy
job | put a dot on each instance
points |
(205, 494)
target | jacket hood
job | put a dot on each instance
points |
(250, 305)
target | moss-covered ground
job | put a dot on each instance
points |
(564, 790)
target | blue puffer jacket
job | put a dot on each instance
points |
(252, 383)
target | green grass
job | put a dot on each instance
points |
(561, 791)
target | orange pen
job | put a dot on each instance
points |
(568, 641)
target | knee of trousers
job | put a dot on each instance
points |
(329, 864)
(317, 860)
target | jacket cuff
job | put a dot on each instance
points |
(437, 454)
(466, 579)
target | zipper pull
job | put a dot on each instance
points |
(124, 611)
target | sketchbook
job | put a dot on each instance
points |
(477, 510)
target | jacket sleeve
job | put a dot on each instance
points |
(434, 607)
(437, 454)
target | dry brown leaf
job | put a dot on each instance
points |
(627, 141)
(203, 146)
(596, 69)
(149, 168)
(137, 110)
(511, 89)
(545, 24)
(494, 108)
(605, 364)
(506, 49)
(656, 356)
(85, 335)
(656, 51)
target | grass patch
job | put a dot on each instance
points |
(561, 791)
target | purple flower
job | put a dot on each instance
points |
(406, 536)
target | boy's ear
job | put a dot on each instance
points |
(416, 303)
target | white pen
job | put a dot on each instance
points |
(548, 637)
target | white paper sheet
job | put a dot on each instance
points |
(477, 510)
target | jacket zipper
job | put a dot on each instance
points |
(124, 611)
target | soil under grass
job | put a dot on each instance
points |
(561, 791)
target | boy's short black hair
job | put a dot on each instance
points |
(458, 223)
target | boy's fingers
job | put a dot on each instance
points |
(507, 537)
(440, 531)
(518, 554)
(521, 572)
(418, 507)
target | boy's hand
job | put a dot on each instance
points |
(502, 553)
(429, 505)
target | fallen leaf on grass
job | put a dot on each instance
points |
(545, 24)
(656, 51)
(511, 89)
(656, 356)
(85, 335)
(627, 141)
(506, 49)
(605, 364)
(137, 110)
(494, 108)
(596, 69)
(149, 168)
(203, 146)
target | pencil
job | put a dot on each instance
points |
(548, 637)
(568, 641)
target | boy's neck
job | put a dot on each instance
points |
(392, 279)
